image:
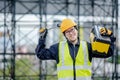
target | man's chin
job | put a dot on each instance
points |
(73, 40)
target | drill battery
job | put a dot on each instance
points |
(100, 43)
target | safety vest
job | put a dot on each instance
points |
(68, 69)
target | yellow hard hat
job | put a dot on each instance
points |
(66, 24)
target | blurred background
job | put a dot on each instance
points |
(20, 21)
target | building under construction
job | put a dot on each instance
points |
(20, 21)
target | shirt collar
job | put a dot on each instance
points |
(78, 43)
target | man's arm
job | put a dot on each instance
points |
(46, 54)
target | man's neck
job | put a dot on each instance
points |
(74, 42)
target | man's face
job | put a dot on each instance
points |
(71, 34)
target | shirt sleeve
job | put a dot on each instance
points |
(46, 54)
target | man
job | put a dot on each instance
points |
(73, 56)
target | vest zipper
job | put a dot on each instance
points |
(74, 64)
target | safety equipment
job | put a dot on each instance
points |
(43, 33)
(66, 24)
(67, 68)
(100, 39)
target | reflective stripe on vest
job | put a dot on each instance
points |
(82, 64)
(78, 78)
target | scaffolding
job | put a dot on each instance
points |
(18, 31)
